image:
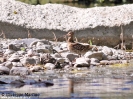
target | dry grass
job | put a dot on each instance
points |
(3, 34)
(29, 34)
(55, 38)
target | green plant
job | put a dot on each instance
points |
(90, 42)
(15, 12)
(22, 49)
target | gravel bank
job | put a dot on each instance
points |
(103, 23)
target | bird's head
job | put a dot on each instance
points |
(70, 34)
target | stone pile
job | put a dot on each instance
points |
(25, 56)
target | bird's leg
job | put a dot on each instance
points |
(80, 55)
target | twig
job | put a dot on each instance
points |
(132, 42)
(29, 34)
(55, 38)
(121, 37)
(4, 36)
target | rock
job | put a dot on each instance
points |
(57, 55)
(107, 51)
(111, 62)
(37, 59)
(124, 61)
(63, 46)
(17, 83)
(81, 62)
(39, 43)
(104, 62)
(14, 58)
(60, 60)
(30, 52)
(98, 55)
(8, 64)
(13, 47)
(114, 57)
(8, 51)
(2, 82)
(21, 52)
(70, 56)
(47, 58)
(19, 70)
(35, 68)
(28, 61)
(95, 62)
(44, 49)
(4, 70)
(25, 41)
(49, 66)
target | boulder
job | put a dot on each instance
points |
(81, 62)
(70, 56)
(98, 55)
(28, 61)
(107, 51)
(13, 47)
(19, 70)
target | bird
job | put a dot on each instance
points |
(76, 47)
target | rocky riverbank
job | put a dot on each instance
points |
(24, 56)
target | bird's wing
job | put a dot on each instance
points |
(79, 47)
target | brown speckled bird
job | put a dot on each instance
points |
(76, 47)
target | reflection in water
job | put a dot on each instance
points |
(97, 88)
(71, 87)
(113, 84)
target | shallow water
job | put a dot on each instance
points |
(95, 83)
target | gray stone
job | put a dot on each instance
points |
(81, 62)
(8, 51)
(13, 47)
(104, 62)
(39, 43)
(44, 49)
(70, 56)
(114, 57)
(57, 55)
(35, 68)
(37, 59)
(94, 61)
(14, 58)
(30, 52)
(4, 70)
(19, 70)
(107, 51)
(28, 61)
(98, 55)
(49, 66)
(8, 64)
